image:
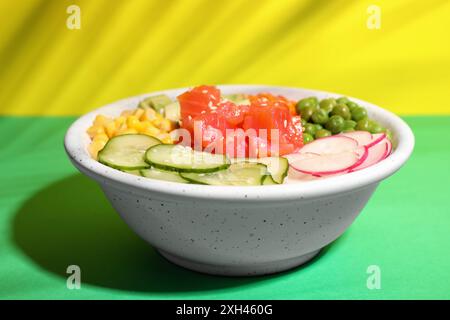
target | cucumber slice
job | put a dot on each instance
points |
(158, 174)
(238, 174)
(268, 180)
(172, 111)
(126, 152)
(156, 102)
(277, 166)
(184, 159)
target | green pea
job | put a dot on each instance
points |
(352, 105)
(375, 127)
(359, 113)
(310, 128)
(348, 130)
(388, 134)
(335, 124)
(320, 116)
(322, 133)
(318, 126)
(363, 125)
(306, 102)
(349, 124)
(343, 100)
(314, 100)
(327, 104)
(303, 121)
(307, 112)
(307, 138)
(341, 110)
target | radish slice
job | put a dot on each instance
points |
(326, 164)
(294, 175)
(376, 138)
(330, 145)
(363, 153)
(299, 156)
(389, 148)
(365, 138)
(362, 137)
(375, 154)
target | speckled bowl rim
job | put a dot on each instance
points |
(76, 142)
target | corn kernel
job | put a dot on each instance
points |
(156, 122)
(146, 121)
(122, 128)
(140, 126)
(127, 131)
(119, 121)
(93, 151)
(101, 144)
(163, 136)
(101, 120)
(126, 113)
(94, 130)
(149, 114)
(146, 124)
(132, 122)
(95, 147)
(151, 130)
(101, 137)
(111, 129)
(139, 112)
(166, 125)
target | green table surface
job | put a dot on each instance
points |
(52, 217)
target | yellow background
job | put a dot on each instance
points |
(130, 47)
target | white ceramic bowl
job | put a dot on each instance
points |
(230, 230)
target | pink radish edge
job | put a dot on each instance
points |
(372, 157)
(357, 164)
(362, 137)
(361, 159)
(377, 139)
(316, 146)
(365, 138)
(388, 153)
(344, 170)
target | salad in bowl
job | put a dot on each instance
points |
(205, 137)
(239, 180)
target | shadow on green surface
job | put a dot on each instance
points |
(71, 222)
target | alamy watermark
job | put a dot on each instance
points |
(373, 281)
(235, 143)
(73, 21)
(374, 17)
(74, 280)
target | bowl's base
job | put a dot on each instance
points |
(241, 270)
